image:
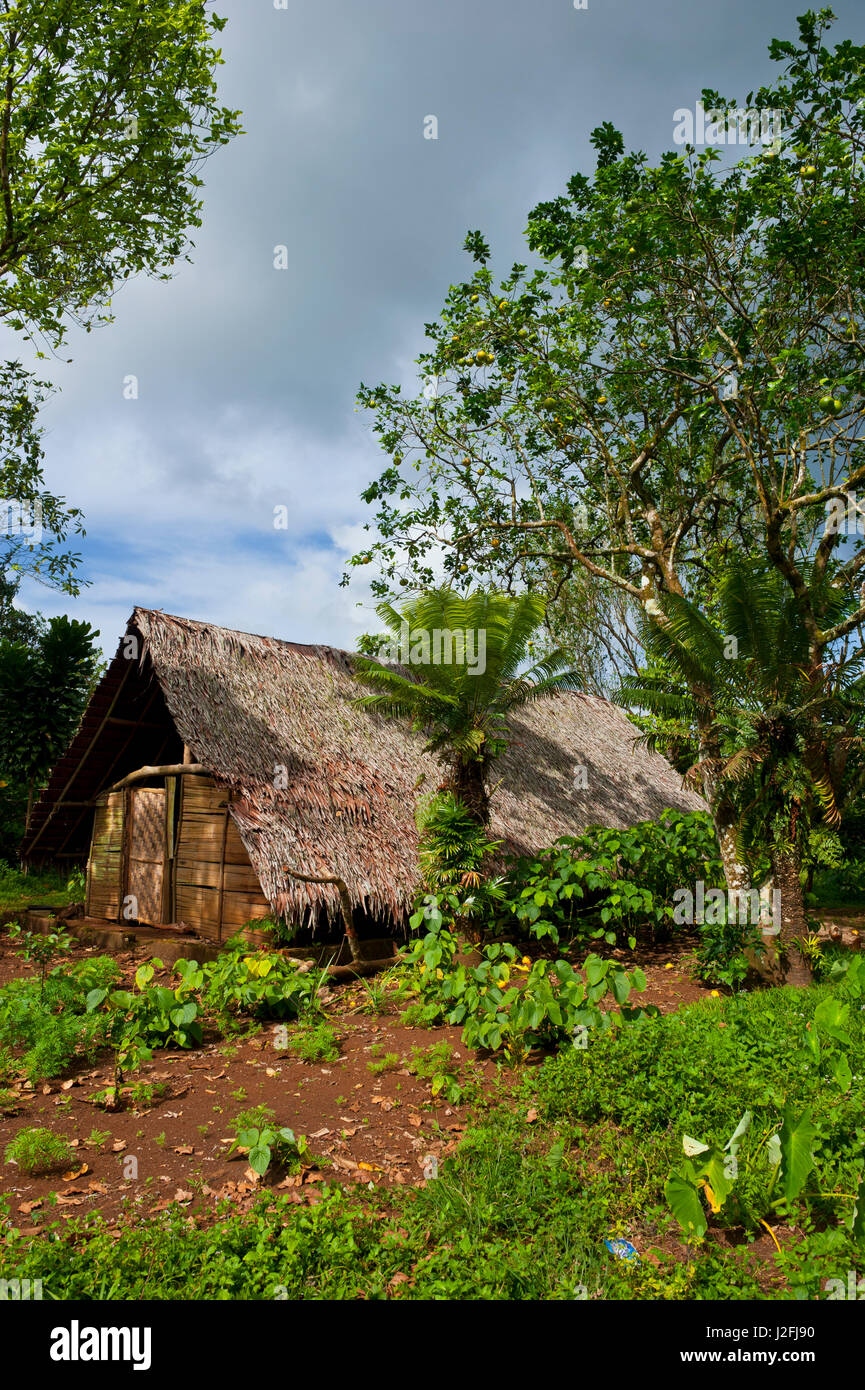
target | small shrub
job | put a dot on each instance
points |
(391, 1061)
(315, 1044)
(266, 1144)
(260, 984)
(39, 1151)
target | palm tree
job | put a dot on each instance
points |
(462, 704)
(776, 732)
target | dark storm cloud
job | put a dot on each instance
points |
(247, 374)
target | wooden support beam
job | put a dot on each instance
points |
(163, 770)
(344, 902)
(86, 754)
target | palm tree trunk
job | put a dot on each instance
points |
(468, 783)
(735, 873)
(782, 957)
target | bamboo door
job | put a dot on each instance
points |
(146, 862)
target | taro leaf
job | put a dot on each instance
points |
(773, 1151)
(715, 1170)
(685, 1204)
(830, 1015)
(739, 1133)
(259, 1159)
(693, 1147)
(797, 1160)
(813, 1040)
(843, 1074)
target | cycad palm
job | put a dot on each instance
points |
(776, 732)
(463, 706)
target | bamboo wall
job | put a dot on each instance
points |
(216, 889)
(209, 881)
(105, 867)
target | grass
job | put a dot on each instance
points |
(578, 1155)
(314, 1043)
(391, 1061)
(18, 891)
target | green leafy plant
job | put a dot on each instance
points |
(257, 1134)
(314, 1043)
(41, 948)
(391, 1061)
(727, 951)
(438, 1066)
(39, 1151)
(260, 984)
(712, 1171)
(604, 884)
(149, 1017)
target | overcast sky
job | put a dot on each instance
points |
(247, 374)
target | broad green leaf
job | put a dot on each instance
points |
(797, 1159)
(684, 1202)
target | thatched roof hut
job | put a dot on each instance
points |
(296, 775)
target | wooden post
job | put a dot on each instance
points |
(344, 902)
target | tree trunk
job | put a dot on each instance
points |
(783, 960)
(735, 873)
(469, 786)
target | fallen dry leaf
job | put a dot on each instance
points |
(76, 1173)
(184, 1149)
(531, 1116)
(27, 1207)
(183, 1196)
(118, 1146)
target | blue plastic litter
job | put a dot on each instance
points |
(622, 1249)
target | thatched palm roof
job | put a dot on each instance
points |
(324, 787)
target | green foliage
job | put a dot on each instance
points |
(766, 714)
(257, 1134)
(151, 1016)
(44, 687)
(722, 958)
(19, 890)
(49, 1019)
(604, 884)
(438, 1065)
(259, 984)
(462, 703)
(391, 1061)
(778, 1055)
(553, 1004)
(39, 1151)
(314, 1043)
(453, 847)
(109, 115)
(41, 947)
